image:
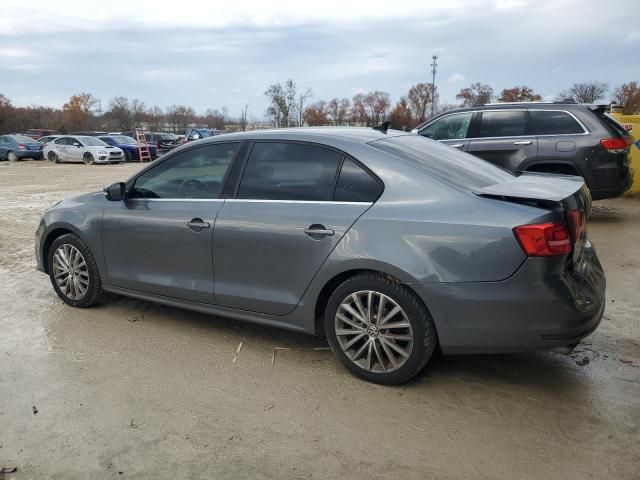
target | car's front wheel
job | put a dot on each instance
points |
(127, 156)
(88, 158)
(73, 272)
(379, 329)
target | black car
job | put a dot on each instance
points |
(163, 141)
(559, 137)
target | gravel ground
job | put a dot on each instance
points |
(131, 389)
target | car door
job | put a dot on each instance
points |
(75, 150)
(159, 240)
(60, 147)
(560, 136)
(451, 129)
(504, 137)
(273, 236)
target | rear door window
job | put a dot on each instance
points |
(503, 123)
(554, 123)
(289, 171)
(451, 127)
(355, 184)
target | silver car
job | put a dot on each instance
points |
(80, 148)
(389, 244)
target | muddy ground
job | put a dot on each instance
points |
(135, 390)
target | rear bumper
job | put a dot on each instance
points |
(615, 191)
(539, 307)
(35, 154)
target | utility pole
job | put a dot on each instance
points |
(434, 69)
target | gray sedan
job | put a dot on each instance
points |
(390, 244)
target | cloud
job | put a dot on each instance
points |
(632, 37)
(456, 78)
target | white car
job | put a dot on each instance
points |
(80, 148)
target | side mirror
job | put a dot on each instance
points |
(115, 192)
(195, 136)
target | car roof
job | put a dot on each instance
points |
(327, 135)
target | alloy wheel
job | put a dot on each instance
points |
(70, 271)
(373, 331)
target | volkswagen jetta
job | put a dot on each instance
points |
(390, 244)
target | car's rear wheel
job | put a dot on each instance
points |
(12, 157)
(52, 157)
(73, 272)
(88, 158)
(379, 329)
(127, 156)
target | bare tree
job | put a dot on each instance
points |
(419, 99)
(477, 94)
(155, 115)
(371, 108)
(585, 92)
(339, 111)
(243, 118)
(302, 99)
(628, 95)
(216, 118)
(137, 111)
(120, 112)
(282, 103)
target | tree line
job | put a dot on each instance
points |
(290, 106)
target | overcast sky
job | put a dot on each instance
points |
(213, 54)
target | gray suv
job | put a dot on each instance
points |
(560, 137)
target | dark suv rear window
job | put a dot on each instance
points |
(554, 123)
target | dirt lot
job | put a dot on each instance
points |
(135, 390)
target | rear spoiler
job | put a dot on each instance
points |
(599, 109)
(543, 189)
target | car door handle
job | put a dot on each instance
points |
(458, 145)
(198, 224)
(317, 231)
(523, 142)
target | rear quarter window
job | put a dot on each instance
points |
(554, 123)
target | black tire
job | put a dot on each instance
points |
(425, 339)
(88, 159)
(52, 156)
(12, 157)
(127, 156)
(94, 292)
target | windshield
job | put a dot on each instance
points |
(438, 160)
(92, 142)
(203, 133)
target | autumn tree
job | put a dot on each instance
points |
(419, 99)
(215, 118)
(317, 114)
(371, 108)
(628, 95)
(585, 92)
(519, 94)
(402, 117)
(477, 94)
(338, 111)
(78, 110)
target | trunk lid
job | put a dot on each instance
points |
(565, 194)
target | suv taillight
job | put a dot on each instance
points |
(616, 145)
(543, 239)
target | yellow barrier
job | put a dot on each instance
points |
(632, 124)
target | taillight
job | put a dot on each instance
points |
(577, 223)
(616, 145)
(21, 146)
(543, 239)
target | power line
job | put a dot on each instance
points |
(434, 69)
